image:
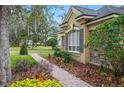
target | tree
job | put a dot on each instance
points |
(52, 42)
(18, 28)
(5, 69)
(109, 37)
(6, 18)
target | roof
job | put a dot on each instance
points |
(86, 11)
(100, 13)
(107, 10)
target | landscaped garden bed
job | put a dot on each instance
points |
(88, 73)
(26, 72)
(33, 76)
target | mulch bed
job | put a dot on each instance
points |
(86, 72)
(35, 72)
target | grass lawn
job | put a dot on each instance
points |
(41, 50)
(14, 54)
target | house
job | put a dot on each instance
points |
(76, 27)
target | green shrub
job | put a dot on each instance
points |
(57, 53)
(66, 57)
(23, 50)
(109, 38)
(56, 49)
(36, 83)
(52, 42)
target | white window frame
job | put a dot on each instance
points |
(73, 41)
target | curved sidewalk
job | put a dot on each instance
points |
(67, 79)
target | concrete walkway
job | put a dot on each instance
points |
(67, 79)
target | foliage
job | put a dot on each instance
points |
(36, 83)
(52, 42)
(57, 53)
(32, 23)
(17, 58)
(56, 49)
(35, 72)
(23, 50)
(109, 37)
(22, 66)
(64, 55)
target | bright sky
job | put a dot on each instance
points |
(66, 7)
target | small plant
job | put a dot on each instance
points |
(104, 67)
(66, 57)
(36, 83)
(57, 53)
(56, 49)
(22, 66)
(23, 50)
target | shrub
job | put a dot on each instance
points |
(56, 49)
(57, 53)
(36, 83)
(52, 42)
(64, 55)
(22, 66)
(23, 50)
(108, 37)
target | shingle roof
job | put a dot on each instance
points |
(108, 9)
(104, 11)
(86, 11)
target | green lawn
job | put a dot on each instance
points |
(42, 51)
(14, 54)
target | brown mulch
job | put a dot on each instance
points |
(87, 72)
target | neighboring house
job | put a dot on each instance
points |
(76, 27)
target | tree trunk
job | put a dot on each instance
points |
(5, 68)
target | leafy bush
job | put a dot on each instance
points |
(64, 55)
(109, 38)
(56, 49)
(36, 83)
(22, 66)
(23, 50)
(57, 53)
(52, 42)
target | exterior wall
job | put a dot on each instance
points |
(86, 53)
(90, 56)
(60, 35)
(86, 56)
(71, 22)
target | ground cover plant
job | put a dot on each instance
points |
(36, 83)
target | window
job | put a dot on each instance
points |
(73, 40)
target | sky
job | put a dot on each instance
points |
(66, 8)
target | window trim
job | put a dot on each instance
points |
(73, 41)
